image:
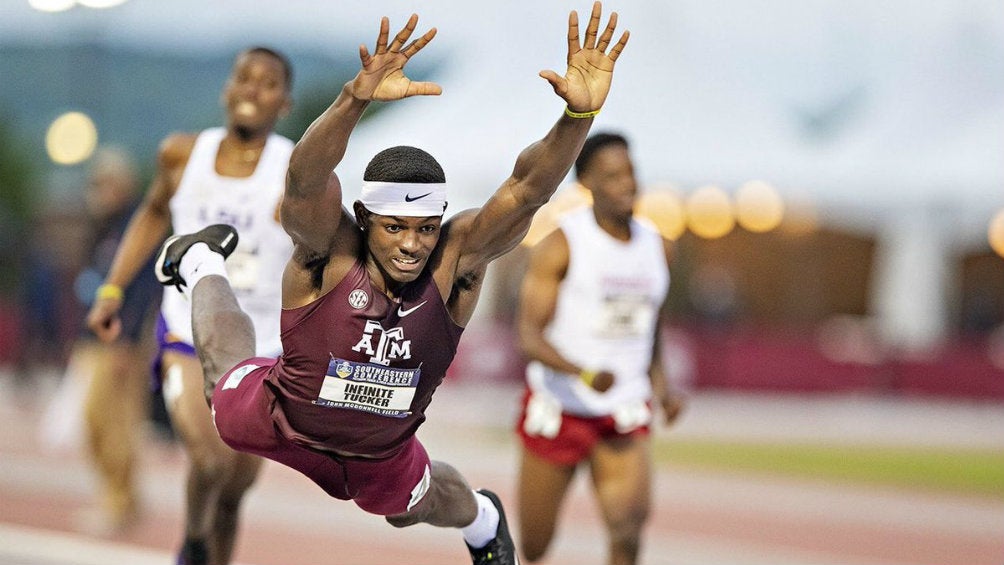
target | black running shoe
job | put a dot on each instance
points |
(221, 238)
(501, 550)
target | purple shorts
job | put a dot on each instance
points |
(166, 341)
(242, 412)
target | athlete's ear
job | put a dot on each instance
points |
(286, 108)
(362, 214)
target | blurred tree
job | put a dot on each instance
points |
(18, 201)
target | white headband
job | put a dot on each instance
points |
(404, 198)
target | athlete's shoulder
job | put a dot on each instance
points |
(175, 149)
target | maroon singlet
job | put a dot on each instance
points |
(358, 369)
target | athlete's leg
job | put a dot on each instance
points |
(217, 476)
(449, 503)
(622, 478)
(224, 335)
(541, 490)
(114, 407)
(241, 474)
(190, 418)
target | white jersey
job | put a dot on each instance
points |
(255, 268)
(605, 319)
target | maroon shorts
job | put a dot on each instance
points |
(242, 412)
(576, 437)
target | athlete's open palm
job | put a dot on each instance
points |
(382, 75)
(590, 63)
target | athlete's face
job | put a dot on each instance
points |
(610, 177)
(401, 245)
(256, 95)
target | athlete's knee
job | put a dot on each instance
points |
(230, 498)
(208, 463)
(243, 473)
(421, 512)
(625, 527)
(403, 520)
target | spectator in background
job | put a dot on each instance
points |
(116, 401)
(55, 242)
(589, 317)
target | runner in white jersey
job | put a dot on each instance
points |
(589, 319)
(234, 175)
(205, 197)
(605, 318)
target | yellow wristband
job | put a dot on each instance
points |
(587, 377)
(573, 114)
(110, 291)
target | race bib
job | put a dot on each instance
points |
(369, 387)
(625, 315)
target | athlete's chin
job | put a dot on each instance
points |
(251, 125)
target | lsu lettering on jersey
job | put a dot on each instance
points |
(204, 197)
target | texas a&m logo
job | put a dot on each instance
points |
(390, 344)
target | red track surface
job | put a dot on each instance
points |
(698, 519)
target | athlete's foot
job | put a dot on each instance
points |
(220, 238)
(194, 552)
(501, 550)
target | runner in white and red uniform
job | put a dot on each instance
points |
(589, 321)
(375, 299)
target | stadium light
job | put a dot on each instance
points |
(71, 138)
(995, 233)
(759, 207)
(709, 212)
(53, 6)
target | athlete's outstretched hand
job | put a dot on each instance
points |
(382, 74)
(590, 64)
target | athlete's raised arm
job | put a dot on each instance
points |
(503, 221)
(312, 206)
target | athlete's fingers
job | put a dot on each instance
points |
(419, 43)
(557, 81)
(608, 33)
(381, 45)
(402, 36)
(424, 89)
(573, 33)
(591, 29)
(615, 52)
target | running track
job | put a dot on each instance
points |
(699, 518)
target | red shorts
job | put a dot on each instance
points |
(242, 412)
(576, 437)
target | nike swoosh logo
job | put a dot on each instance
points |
(410, 198)
(402, 313)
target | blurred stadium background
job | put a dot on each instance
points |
(832, 173)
